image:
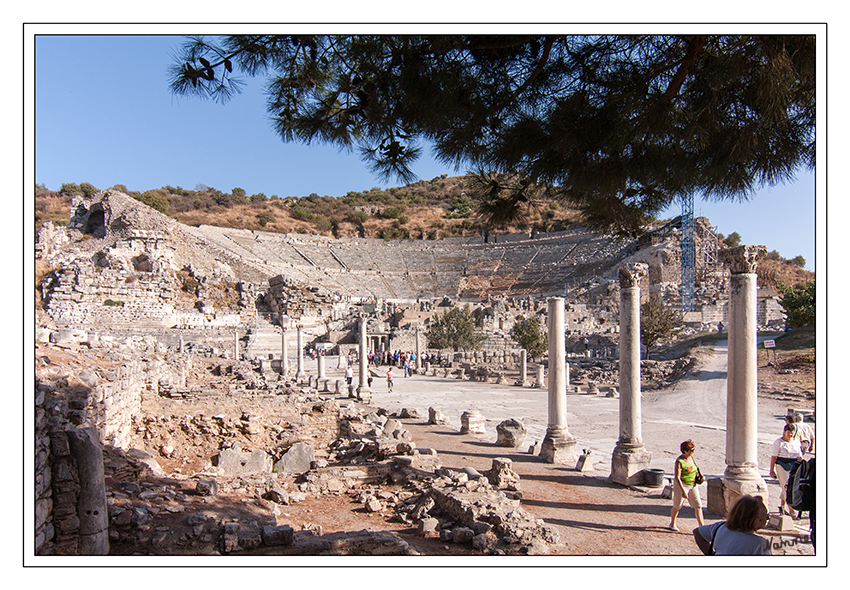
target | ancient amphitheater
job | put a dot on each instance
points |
(158, 363)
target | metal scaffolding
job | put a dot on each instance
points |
(688, 253)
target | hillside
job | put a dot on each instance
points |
(432, 209)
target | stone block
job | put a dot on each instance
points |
(781, 522)
(298, 459)
(436, 417)
(206, 487)
(716, 496)
(410, 413)
(462, 535)
(628, 464)
(510, 433)
(501, 475)
(472, 423)
(235, 462)
(428, 525)
(278, 535)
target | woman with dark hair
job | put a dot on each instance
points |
(786, 452)
(685, 485)
(736, 536)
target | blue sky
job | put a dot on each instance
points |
(104, 115)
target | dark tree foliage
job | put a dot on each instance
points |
(618, 126)
(657, 321)
(529, 334)
(798, 303)
(455, 329)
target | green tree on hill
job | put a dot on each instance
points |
(154, 199)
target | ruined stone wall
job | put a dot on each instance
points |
(81, 296)
(102, 399)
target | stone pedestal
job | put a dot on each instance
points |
(472, 423)
(741, 476)
(320, 366)
(541, 378)
(558, 446)
(627, 464)
(630, 458)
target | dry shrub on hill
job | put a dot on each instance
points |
(769, 271)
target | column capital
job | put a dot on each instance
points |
(742, 259)
(631, 273)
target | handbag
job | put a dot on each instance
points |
(699, 478)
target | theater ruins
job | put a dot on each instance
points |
(216, 357)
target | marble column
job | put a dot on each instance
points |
(300, 340)
(523, 368)
(320, 366)
(418, 353)
(363, 391)
(541, 378)
(630, 457)
(558, 446)
(742, 476)
(236, 345)
(284, 353)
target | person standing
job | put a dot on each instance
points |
(805, 434)
(786, 451)
(685, 485)
(390, 379)
(736, 535)
(348, 375)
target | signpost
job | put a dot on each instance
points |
(768, 344)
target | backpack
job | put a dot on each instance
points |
(800, 489)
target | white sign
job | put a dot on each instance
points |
(770, 343)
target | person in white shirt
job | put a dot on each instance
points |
(786, 451)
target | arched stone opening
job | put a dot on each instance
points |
(95, 222)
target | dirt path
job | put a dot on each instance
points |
(595, 516)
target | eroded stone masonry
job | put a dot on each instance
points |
(159, 352)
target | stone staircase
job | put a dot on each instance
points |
(264, 338)
(496, 342)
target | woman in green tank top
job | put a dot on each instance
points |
(684, 484)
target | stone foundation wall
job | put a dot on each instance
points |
(90, 406)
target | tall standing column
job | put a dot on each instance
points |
(523, 368)
(236, 345)
(363, 391)
(418, 353)
(630, 457)
(284, 353)
(741, 476)
(300, 340)
(558, 445)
